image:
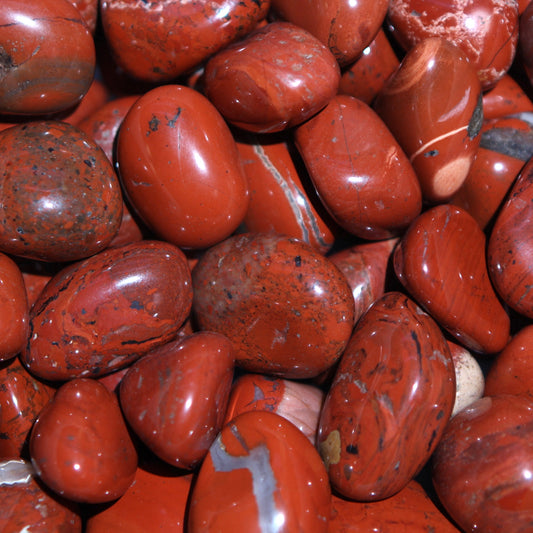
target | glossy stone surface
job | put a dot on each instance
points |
(345, 27)
(389, 402)
(485, 30)
(101, 314)
(157, 499)
(512, 370)
(410, 510)
(150, 50)
(59, 194)
(299, 403)
(506, 145)
(482, 466)
(281, 197)
(365, 78)
(89, 12)
(180, 167)
(436, 91)
(510, 248)
(366, 269)
(28, 506)
(80, 446)
(441, 262)
(526, 41)
(47, 57)
(276, 78)
(261, 474)
(286, 308)
(506, 98)
(369, 196)
(14, 311)
(21, 399)
(175, 397)
(469, 378)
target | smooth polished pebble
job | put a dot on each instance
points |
(437, 93)
(510, 246)
(390, 400)
(506, 98)
(285, 307)
(441, 262)
(101, 314)
(276, 78)
(408, 511)
(344, 26)
(146, 49)
(261, 474)
(80, 445)
(483, 463)
(175, 397)
(27, 506)
(47, 57)
(60, 197)
(512, 371)
(360, 172)
(485, 30)
(180, 167)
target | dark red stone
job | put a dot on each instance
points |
(60, 198)
(80, 446)
(286, 308)
(261, 472)
(389, 402)
(101, 314)
(483, 463)
(441, 262)
(372, 197)
(276, 78)
(506, 98)
(175, 397)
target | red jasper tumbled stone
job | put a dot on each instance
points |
(436, 93)
(391, 397)
(22, 397)
(175, 397)
(157, 41)
(28, 506)
(286, 308)
(483, 463)
(47, 57)
(261, 474)
(180, 167)
(99, 315)
(80, 446)
(441, 262)
(281, 197)
(486, 30)
(510, 247)
(344, 26)
(60, 197)
(372, 196)
(276, 78)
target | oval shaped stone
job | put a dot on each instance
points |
(268, 466)
(276, 78)
(437, 93)
(510, 247)
(482, 465)
(180, 167)
(59, 195)
(155, 49)
(80, 445)
(372, 197)
(175, 397)
(47, 57)
(441, 262)
(286, 308)
(101, 314)
(391, 397)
